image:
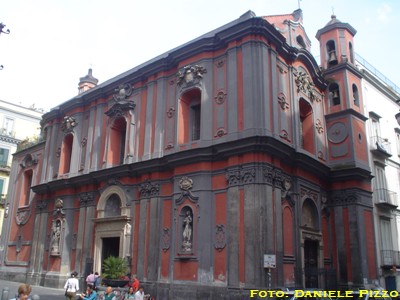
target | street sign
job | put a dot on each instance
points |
(269, 261)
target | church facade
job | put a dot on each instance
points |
(233, 162)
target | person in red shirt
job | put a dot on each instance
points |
(135, 284)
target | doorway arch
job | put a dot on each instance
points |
(113, 227)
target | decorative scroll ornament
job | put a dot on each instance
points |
(189, 74)
(186, 185)
(220, 237)
(304, 84)
(220, 97)
(28, 161)
(220, 132)
(23, 215)
(171, 112)
(68, 124)
(149, 189)
(240, 176)
(166, 239)
(122, 92)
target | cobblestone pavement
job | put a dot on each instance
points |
(44, 293)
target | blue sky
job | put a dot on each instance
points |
(53, 42)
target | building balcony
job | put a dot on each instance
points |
(380, 146)
(390, 258)
(386, 198)
(6, 132)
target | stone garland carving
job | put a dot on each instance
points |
(84, 141)
(149, 189)
(41, 206)
(273, 176)
(186, 184)
(58, 152)
(220, 63)
(122, 92)
(189, 74)
(240, 176)
(220, 97)
(68, 124)
(166, 239)
(86, 199)
(304, 84)
(18, 244)
(282, 102)
(171, 112)
(220, 237)
(319, 127)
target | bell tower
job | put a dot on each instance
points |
(343, 102)
(350, 196)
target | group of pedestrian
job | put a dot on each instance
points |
(93, 280)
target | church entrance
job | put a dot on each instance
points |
(311, 263)
(110, 247)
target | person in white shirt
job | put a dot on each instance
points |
(71, 286)
(139, 295)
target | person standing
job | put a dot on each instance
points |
(71, 286)
(24, 291)
(135, 284)
(139, 295)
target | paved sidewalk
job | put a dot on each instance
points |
(44, 293)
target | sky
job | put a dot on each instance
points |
(52, 43)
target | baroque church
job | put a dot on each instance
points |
(233, 162)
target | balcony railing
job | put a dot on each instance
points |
(384, 196)
(6, 132)
(390, 258)
(380, 145)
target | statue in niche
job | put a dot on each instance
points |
(56, 236)
(187, 232)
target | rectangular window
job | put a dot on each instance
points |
(195, 113)
(4, 156)
(1, 186)
(397, 133)
(8, 127)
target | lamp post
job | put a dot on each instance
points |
(5, 32)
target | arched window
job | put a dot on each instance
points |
(116, 149)
(309, 216)
(306, 126)
(300, 41)
(26, 188)
(66, 154)
(113, 206)
(189, 116)
(356, 98)
(332, 55)
(351, 53)
(334, 94)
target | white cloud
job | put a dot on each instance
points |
(383, 13)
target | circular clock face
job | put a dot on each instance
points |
(337, 133)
